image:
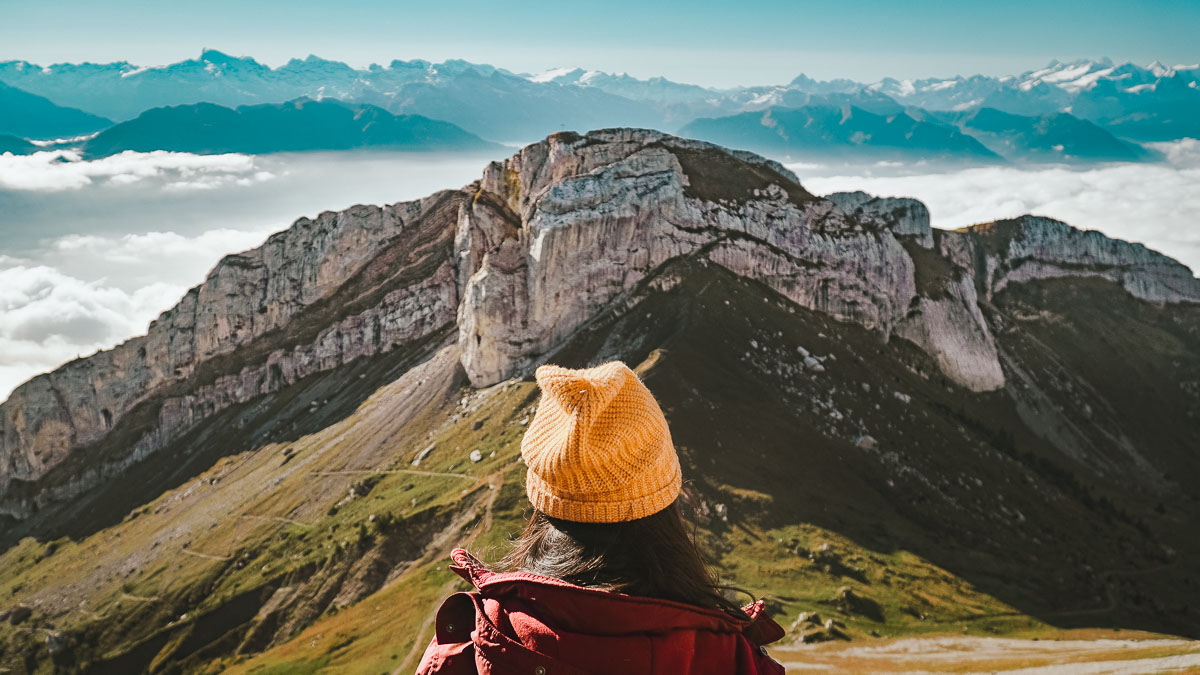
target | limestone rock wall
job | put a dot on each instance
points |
(246, 297)
(1031, 247)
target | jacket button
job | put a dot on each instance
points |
(540, 670)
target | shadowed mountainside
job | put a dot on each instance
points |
(26, 115)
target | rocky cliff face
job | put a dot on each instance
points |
(519, 261)
(315, 296)
(1030, 248)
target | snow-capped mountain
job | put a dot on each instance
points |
(480, 98)
(1150, 103)
(654, 89)
(1065, 79)
(1154, 102)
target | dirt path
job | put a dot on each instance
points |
(415, 472)
(409, 664)
(972, 655)
(206, 556)
(278, 519)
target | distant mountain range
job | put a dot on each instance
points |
(849, 132)
(1154, 103)
(295, 126)
(1052, 137)
(486, 100)
(1151, 103)
(1067, 112)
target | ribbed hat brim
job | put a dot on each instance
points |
(619, 507)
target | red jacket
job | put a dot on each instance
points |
(534, 625)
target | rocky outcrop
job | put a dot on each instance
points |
(520, 260)
(575, 222)
(1030, 247)
(904, 216)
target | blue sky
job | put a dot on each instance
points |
(712, 43)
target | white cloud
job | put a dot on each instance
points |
(48, 317)
(1157, 204)
(1182, 153)
(89, 292)
(59, 170)
(132, 261)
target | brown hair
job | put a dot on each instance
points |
(655, 556)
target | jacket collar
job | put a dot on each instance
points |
(599, 612)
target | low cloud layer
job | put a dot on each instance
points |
(1156, 204)
(134, 261)
(57, 170)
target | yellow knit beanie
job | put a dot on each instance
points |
(598, 448)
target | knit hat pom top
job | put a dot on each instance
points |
(598, 448)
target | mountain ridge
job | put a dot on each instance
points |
(30, 116)
(295, 126)
(844, 133)
(854, 245)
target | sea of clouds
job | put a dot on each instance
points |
(91, 251)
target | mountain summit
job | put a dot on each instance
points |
(992, 426)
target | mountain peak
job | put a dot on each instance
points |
(567, 74)
(217, 56)
(315, 64)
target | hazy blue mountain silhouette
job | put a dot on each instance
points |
(296, 126)
(30, 116)
(15, 145)
(1149, 103)
(844, 132)
(489, 101)
(1057, 137)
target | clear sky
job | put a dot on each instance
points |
(711, 43)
